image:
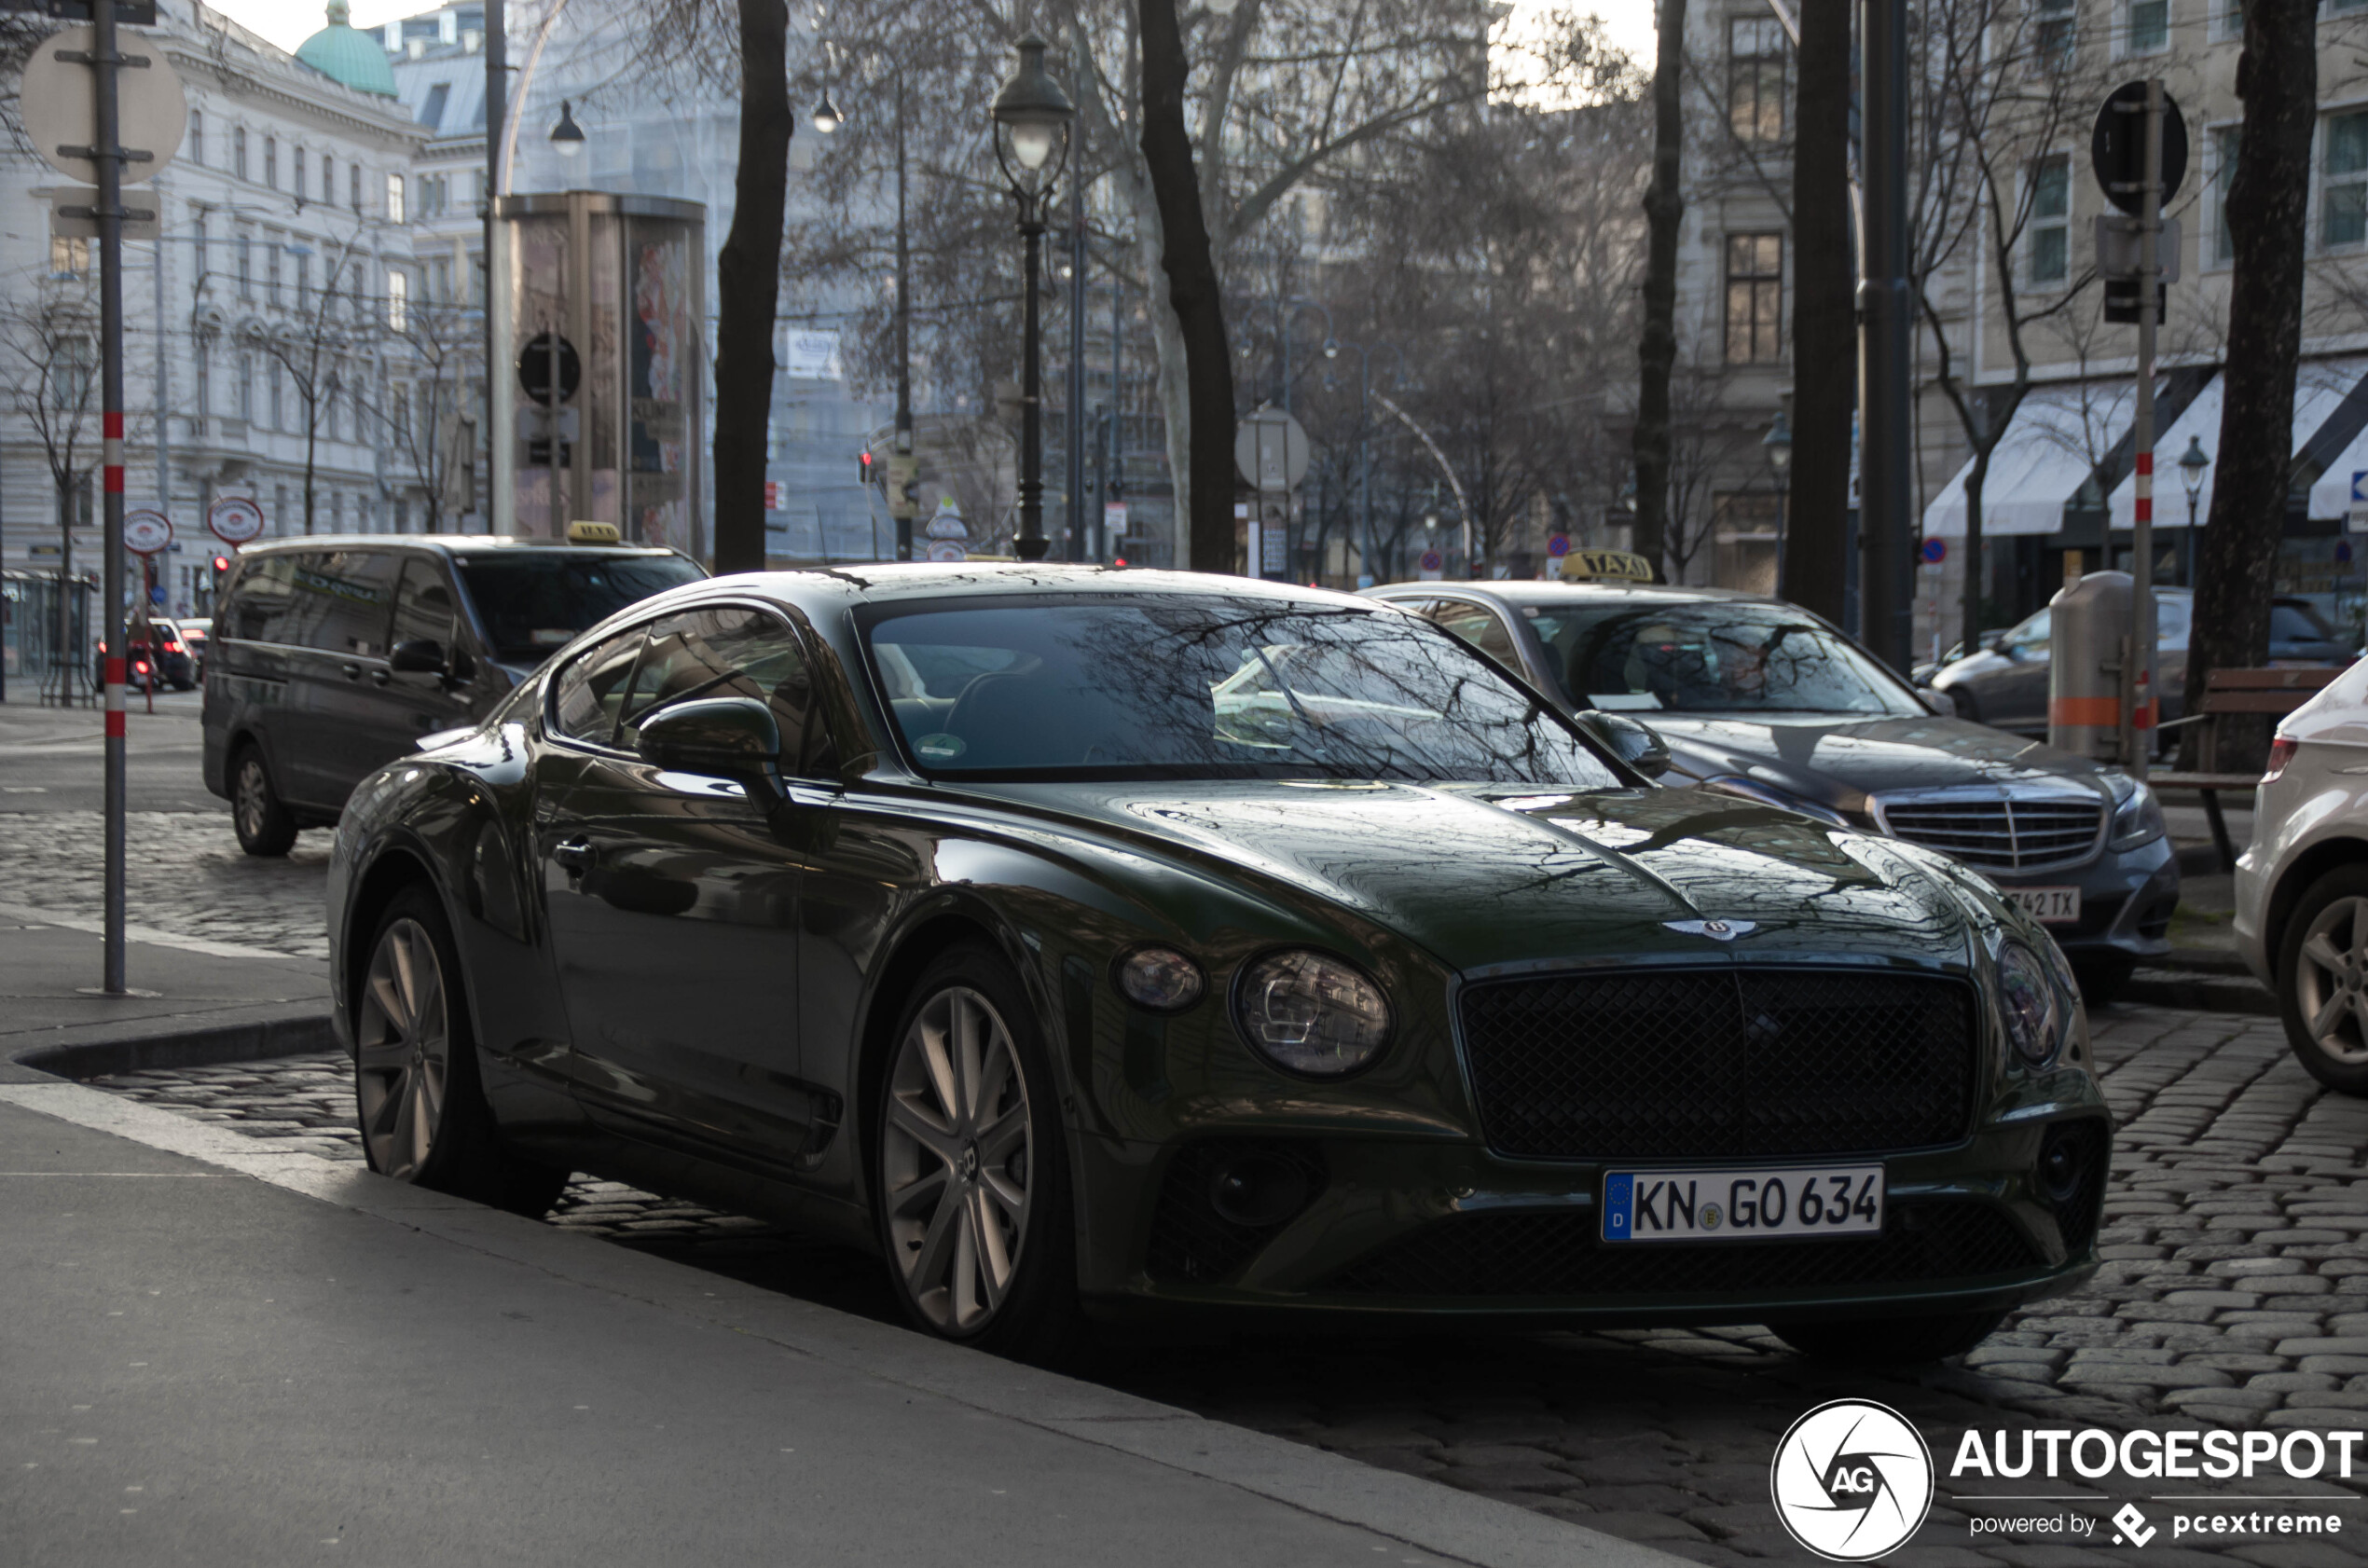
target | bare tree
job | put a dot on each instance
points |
(425, 415)
(1657, 346)
(50, 342)
(331, 328)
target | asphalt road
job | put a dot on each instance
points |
(51, 758)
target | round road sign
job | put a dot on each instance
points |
(2117, 147)
(1558, 546)
(534, 368)
(1934, 551)
(235, 519)
(1433, 561)
(60, 103)
(1270, 449)
(144, 532)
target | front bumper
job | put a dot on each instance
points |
(1400, 1230)
(2126, 899)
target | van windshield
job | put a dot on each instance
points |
(532, 602)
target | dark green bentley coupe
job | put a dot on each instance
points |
(1105, 944)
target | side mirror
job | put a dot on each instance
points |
(421, 656)
(728, 737)
(1632, 740)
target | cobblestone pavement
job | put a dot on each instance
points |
(184, 871)
(2236, 1295)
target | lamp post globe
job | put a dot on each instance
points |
(827, 117)
(1032, 115)
(567, 137)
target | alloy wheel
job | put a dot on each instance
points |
(403, 1056)
(253, 804)
(955, 1160)
(2331, 981)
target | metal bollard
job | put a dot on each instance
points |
(2088, 637)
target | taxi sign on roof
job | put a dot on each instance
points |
(1625, 566)
(583, 532)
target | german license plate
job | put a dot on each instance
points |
(2049, 906)
(1743, 1205)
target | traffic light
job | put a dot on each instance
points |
(864, 462)
(221, 572)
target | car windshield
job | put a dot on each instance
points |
(1211, 688)
(1709, 657)
(534, 603)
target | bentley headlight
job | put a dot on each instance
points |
(1159, 978)
(2138, 820)
(1308, 1012)
(1768, 794)
(2033, 1003)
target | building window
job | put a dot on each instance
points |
(2148, 27)
(296, 184)
(279, 509)
(431, 112)
(395, 199)
(75, 362)
(69, 259)
(196, 138)
(1754, 298)
(2232, 15)
(2050, 221)
(246, 267)
(2223, 174)
(1755, 79)
(353, 186)
(439, 280)
(2055, 32)
(398, 301)
(203, 248)
(2343, 194)
(205, 377)
(279, 402)
(246, 387)
(238, 152)
(303, 281)
(271, 161)
(328, 179)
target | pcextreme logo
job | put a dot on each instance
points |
(1852, 1479)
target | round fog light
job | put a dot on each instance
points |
(1258, 1190)
(1161, 979)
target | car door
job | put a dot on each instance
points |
(673, 902)
(343, 601)
(388, 710)
(2013, 695)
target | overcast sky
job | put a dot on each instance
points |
(290, 22)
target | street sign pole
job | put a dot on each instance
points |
(2137, 650)
(108, 156)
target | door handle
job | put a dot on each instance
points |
(352, 672)
(379, 676)
(576, 854)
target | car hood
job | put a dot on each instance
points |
(1496, 877)
(1839, 761)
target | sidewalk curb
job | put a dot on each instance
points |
(1457, 1525)
(251, 1034)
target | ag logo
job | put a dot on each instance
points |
(1851, 1480)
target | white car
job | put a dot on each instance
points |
(2302, 888)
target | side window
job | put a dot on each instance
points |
(589, 693)
(423, 608)
(260, 601)
(343, 601)
(1481, 627)
(2030, 636)
(728, 651)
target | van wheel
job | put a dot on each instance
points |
(265, 824)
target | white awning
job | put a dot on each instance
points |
(2321, 387)
(2331, 496)
(2058, 436)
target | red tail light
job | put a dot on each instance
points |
(141, 666)
(2281, 752)
(173, 647)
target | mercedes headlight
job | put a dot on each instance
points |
(2033, 1003)
(1768, 794)
(2138, 819)
(1310, 1013)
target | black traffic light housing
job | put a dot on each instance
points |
(865, 463)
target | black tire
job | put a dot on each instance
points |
(2102, 980)
(1889, 1342)
(262, 819)
(2334, 907)
(1037, 1317)
(418, 1097)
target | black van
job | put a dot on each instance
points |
(333, 655)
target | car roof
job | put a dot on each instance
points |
(447, 544)
(896, 581)
(1509, 591)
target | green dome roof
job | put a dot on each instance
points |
(342, 54)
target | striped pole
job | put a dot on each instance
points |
(107, 158)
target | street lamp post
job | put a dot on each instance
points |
(1032, 119)
(1778, 444)
(2193, 465)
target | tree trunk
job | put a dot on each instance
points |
(1657, 350)
(1193, 287)
(748, 287)
(1825, 317)
(1977, 480)
(2269, 200)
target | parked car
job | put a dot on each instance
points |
(1108, 944)
(158, 657)
(2302, 884)
(194, 630)
(2005, 685)
(330, 656)
(1760, 698)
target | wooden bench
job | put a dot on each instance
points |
(2273, 692)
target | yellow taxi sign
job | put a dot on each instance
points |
(594, 533)
(1584, 566)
